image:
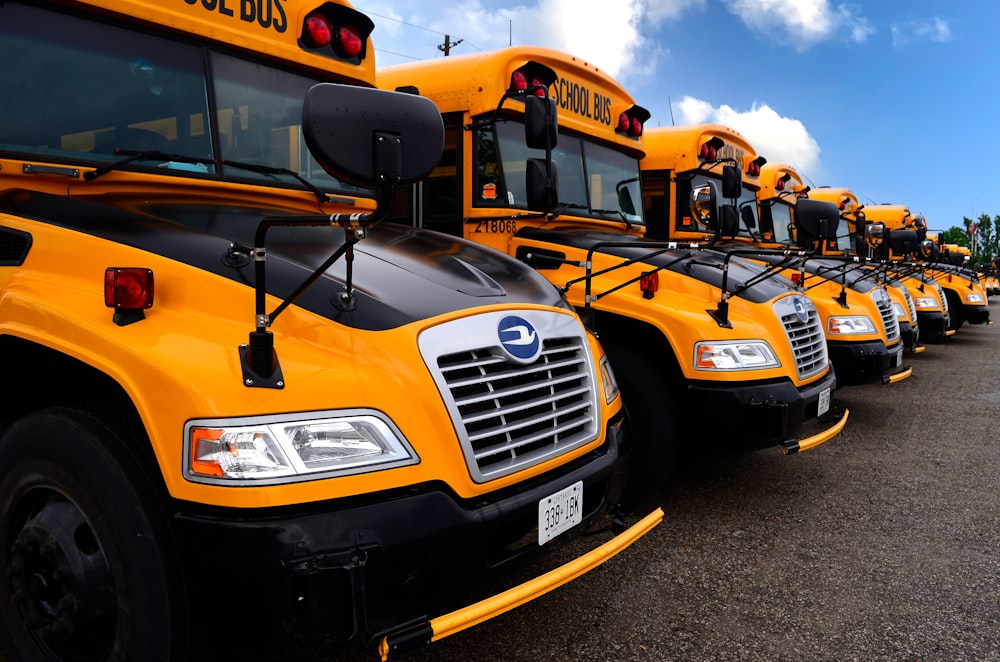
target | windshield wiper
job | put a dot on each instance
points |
(262, 169)
(157, 155)
(143, 155)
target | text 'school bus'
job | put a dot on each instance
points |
(248, 421)
(737, 368)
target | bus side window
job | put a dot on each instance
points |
(654, 201)
(442, 195)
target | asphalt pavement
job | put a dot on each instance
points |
(882, 544)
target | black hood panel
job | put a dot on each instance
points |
(401, 274)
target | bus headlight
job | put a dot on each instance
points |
(608, 380)
(280, 449)
(900, 312)
(849, 325)
(925, 302)
(973, 297)
(734, 355)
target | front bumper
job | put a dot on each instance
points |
(760, 415)
(307, 577)
(932, 325)
(975, 314)
(910, 336)
(864, 362)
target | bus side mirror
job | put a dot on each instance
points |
(904, 242)
(732, 182)
(747, 216)
(370, 137)
(540, 184)
(704, 205)
(816, 220)
(541, 125)
(625, 201)
(729, 219)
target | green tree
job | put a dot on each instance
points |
(982, 236)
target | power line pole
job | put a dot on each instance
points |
(447, 45)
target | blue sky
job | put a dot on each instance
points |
(895, 100)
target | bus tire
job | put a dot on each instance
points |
(83, 545)
(650, 395)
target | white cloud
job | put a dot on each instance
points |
(613, 36)
(776, 138)
(933, 29)
(801, 23)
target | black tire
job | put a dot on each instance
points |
(955, 309)
(651, 394)
(88, 573)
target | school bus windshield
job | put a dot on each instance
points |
(747, 205)
(102, 88)
(776, 216)
(594, 181)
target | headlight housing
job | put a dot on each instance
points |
(973, 297)
(608, 380)
(734, 355)
(900, 311)
(842, 326)
(925, 302)
(285, 449)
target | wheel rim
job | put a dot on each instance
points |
(61, 580)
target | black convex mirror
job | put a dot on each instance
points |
(372, 138)
(704, 205)
(816, 220)
(732, 182)
(540, 184)
(541, 125)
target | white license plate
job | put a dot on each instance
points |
(823, 404)
(898, 361)
(560, 512)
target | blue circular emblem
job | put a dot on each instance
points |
(799, 304)
(519, 338)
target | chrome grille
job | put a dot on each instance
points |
(805, 336)
(511, 415)
(942, 297)
(888, 315)
(909, 303)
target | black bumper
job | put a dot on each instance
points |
(975, 314)
(932, 325)
(733, 418)
(864, 362)
(302, 579)
(909, 335)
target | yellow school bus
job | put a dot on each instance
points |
(960, 287)
(249, 420)
(859, 323)
(700, 365)
(780, 186)
(930, 305)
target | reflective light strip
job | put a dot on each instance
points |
(817, 439)
(898, 377)
(449, 624)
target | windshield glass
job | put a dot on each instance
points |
(594, 180)
(749, 223)
(781, 220)
(98, 88)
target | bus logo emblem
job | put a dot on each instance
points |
(799, 304)
(519, 339)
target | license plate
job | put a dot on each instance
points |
(823, 404)
(898, 361)
(560, 512)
